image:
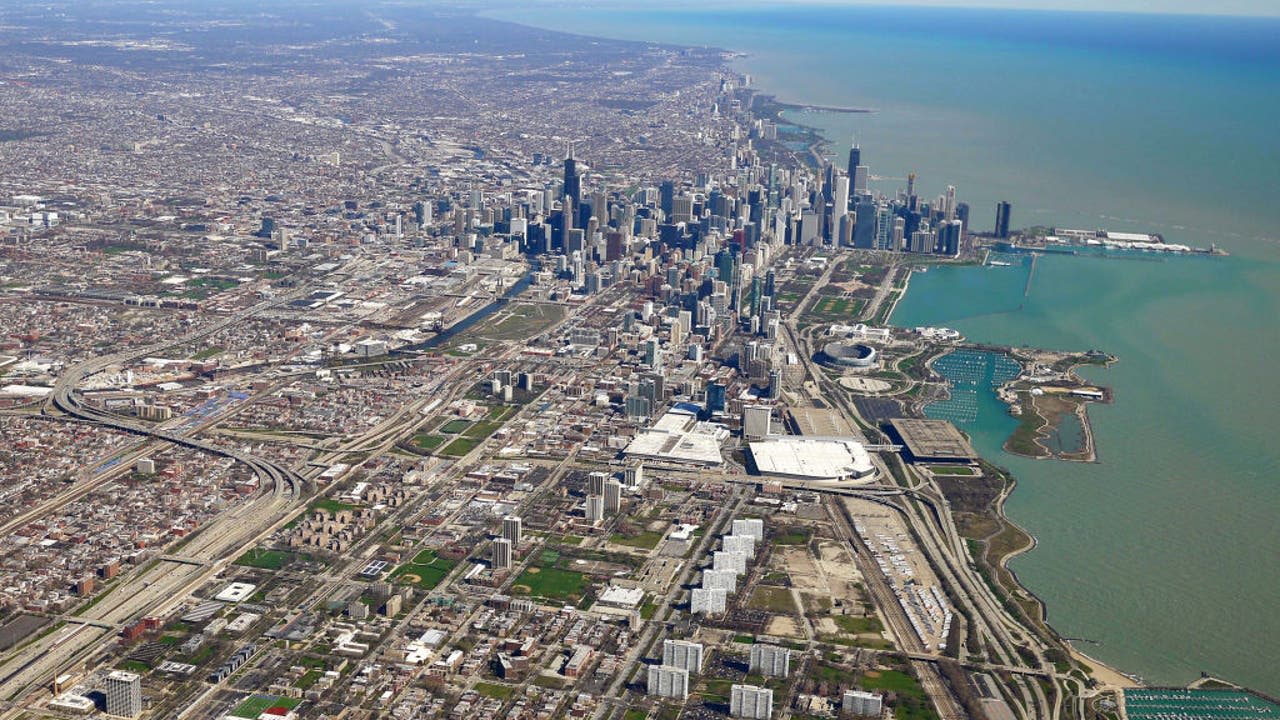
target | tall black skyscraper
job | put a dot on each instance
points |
(667, 199)
(855, 159)
(1003, 209)
(572, 183)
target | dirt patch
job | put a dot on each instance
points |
(783, 626)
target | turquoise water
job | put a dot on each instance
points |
(1165, 551)
(1197, 705)
(973, 375)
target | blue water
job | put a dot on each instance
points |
(1164, 552)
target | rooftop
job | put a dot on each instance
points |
(812, 458)
(927, 439)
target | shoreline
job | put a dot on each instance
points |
(818, 150)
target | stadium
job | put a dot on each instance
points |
(849, 355)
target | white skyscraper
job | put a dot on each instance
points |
(770, 660)
(749, 701)
(501, 554)
(749, 526)
(612, 496)
(726, 580)
(705, 601)
(512, 528)
(859, 702)
(595, 508)
(743, 544)
(737, 562)
(682, 654)
(841, 196)
(633, 476)
(124, 694)
(670, 682)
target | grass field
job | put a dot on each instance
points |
(793, 536)
(333, 506)
(207, 353)
(773, 599)
(453, 427)
(425, 571)
(427, 441)
(481, 429)
(911, 704)
(265, 559)
(951, 470)
(645, 540)
(308, 679)
(858, 625)
(502, 412)
(520, 320)
(494, 690)
(255, 705)
(552, 583)
(460, 447)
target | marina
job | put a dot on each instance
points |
(970, 374)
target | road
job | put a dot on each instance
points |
(161, 585)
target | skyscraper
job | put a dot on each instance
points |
(124, 694)
(1003, 208)
(770, 660)
(749, 701)
(501, 554)
(512, 528)
(840, 198)
(682, 654)
(612, 496)
(572, 183)
(666, 681)
(864, 226)
(855, 157)
(595, 508)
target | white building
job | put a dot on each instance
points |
(501, 554)
(124, 694)
(749, 701)
(770, 660)
(668, 682)
(737, 562)
(633, 476)
(612, 496)
(744, 544)
(860, 702)
(726, 580)
(753, 527)
(595, 508)
(816, 459)
(512, 528)
(682, 654)
(707, 601)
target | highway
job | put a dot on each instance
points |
(929, 517)
(158, 586)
